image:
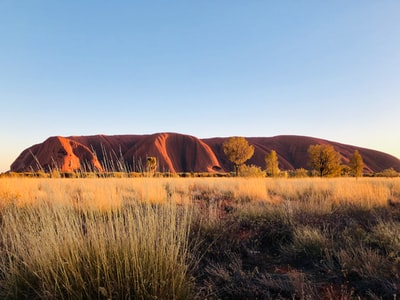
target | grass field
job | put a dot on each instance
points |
(199, 238)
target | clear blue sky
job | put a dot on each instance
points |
(327, 69)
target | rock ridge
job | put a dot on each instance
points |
(177, 153)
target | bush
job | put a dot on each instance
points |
(300, 173)
(251, 171)
(368, 271)
(388, 173)
(308, 244)
(385, 236)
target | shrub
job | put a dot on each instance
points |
(388, 173)
(368, 271)
(268, 228)
(307, 245)
(251, 171)
(300, 173)
(385, 236)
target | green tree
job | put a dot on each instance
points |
(238, 150)
(272, 164)
(325, 160)
(151, 165)
(356, 164)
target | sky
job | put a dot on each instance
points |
(209, 68)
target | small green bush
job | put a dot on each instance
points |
(308, 244)
(385, 236)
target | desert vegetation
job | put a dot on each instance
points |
(200, 238)
(238, 151)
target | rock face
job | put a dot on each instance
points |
(174, 153)
(177, 153)
(56, 152)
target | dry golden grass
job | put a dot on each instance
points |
(112, 192)
(130, 237)
(88, 239)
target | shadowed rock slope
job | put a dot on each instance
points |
(177, 153)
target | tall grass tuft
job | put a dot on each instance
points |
(60, 252)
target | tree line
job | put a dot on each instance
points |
(323, 159)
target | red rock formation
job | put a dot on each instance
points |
(177, 153)
(57, 153)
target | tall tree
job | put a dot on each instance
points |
(238, 150)
(325, 160)
(272, 164)
(356, 164)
